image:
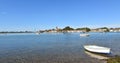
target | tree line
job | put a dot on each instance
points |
(69, 28)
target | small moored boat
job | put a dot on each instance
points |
(97, 49)
(84, 34)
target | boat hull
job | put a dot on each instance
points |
(97, 49)
(84, 34)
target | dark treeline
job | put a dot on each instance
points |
(16, 32)
(69, 28)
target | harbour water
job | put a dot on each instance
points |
(54, 47)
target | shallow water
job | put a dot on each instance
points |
(54, 47)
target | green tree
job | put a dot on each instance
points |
(86, 29)
(107, 30)
(68, 28)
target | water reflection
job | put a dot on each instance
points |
(98, 56)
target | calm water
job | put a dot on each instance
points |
(54, 47)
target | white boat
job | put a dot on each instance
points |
(84, 34)
(37, 33)
(97, 49)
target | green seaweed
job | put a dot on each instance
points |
(115, 59)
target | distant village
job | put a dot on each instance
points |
(84, 29)
(67, 29)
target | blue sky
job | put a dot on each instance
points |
(45, 14)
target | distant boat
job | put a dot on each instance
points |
(98, 56)
(37, 33)
(84, 34)
(97, 49)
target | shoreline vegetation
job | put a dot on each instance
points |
(84, 29)
(68, 29)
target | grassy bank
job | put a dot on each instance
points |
(115, 59)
